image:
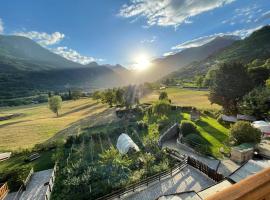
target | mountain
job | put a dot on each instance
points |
(256, 46)
(163, 66)
(27, 68)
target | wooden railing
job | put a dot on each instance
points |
(3, 191)
(211, 173)
(144, 183)
(255, 187)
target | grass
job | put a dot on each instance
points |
(17, 161)
(37, 123)
(183, 97)
(212, 131)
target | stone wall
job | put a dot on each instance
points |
(172, 132)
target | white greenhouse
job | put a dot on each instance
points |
(125, 144)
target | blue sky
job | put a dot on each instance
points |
(116, 31)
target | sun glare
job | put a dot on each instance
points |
(142, 62)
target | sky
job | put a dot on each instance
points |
(118, 31)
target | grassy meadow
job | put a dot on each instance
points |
(212, 131)
(183, 97)
(36, 123)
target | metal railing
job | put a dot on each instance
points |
(144, 183)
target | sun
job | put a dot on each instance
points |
(142, 62)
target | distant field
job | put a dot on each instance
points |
(183, 97)
(37, 123)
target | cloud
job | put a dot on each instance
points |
(1, 26)
(153, 39)
(74, 56)
(169, 12)
(237, 34)
(263, 17)
(43, 38)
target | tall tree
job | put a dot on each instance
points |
(230, 83)
(55, 104)
(256, 102)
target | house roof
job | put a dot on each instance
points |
(248, 169)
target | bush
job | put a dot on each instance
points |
(161, 107)
(187, 127)
(243, 132)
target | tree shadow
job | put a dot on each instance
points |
(211, 130)
(78, 109)
(12, 123)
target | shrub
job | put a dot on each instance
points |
(243, 132)
(187, 127)
(161, 107)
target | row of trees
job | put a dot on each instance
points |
(237, 87)
(125, 96)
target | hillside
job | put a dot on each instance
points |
(256, 46)
(26, 68)
(168, 64)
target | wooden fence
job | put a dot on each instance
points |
(23, 186)
(51, 183)
(3, 190)
(205, 169)
(144, 183)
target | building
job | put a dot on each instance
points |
(242, 153)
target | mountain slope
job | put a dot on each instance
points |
(165, 65)
(256, 46)
(27, 68)
(25, 50)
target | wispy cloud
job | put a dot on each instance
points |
(153, 39)
(74, 56)
(242, 33)
(44, 39)
(248, 14)
(264, 16)
(169, 12)
(1, 26)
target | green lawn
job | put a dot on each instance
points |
(183, 97)
(212, 131)
(17, 161)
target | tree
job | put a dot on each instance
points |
(230, 84)
(55, 104)
(259, 74)
(108, 97)
(161, 107)
(163, 96)
(199, 81)
(76, 94)
(243, 132)
(96, 95)
(256, 102)
(208, 80)
(119, 96)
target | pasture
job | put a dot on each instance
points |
(183, 97)
(36, 124)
